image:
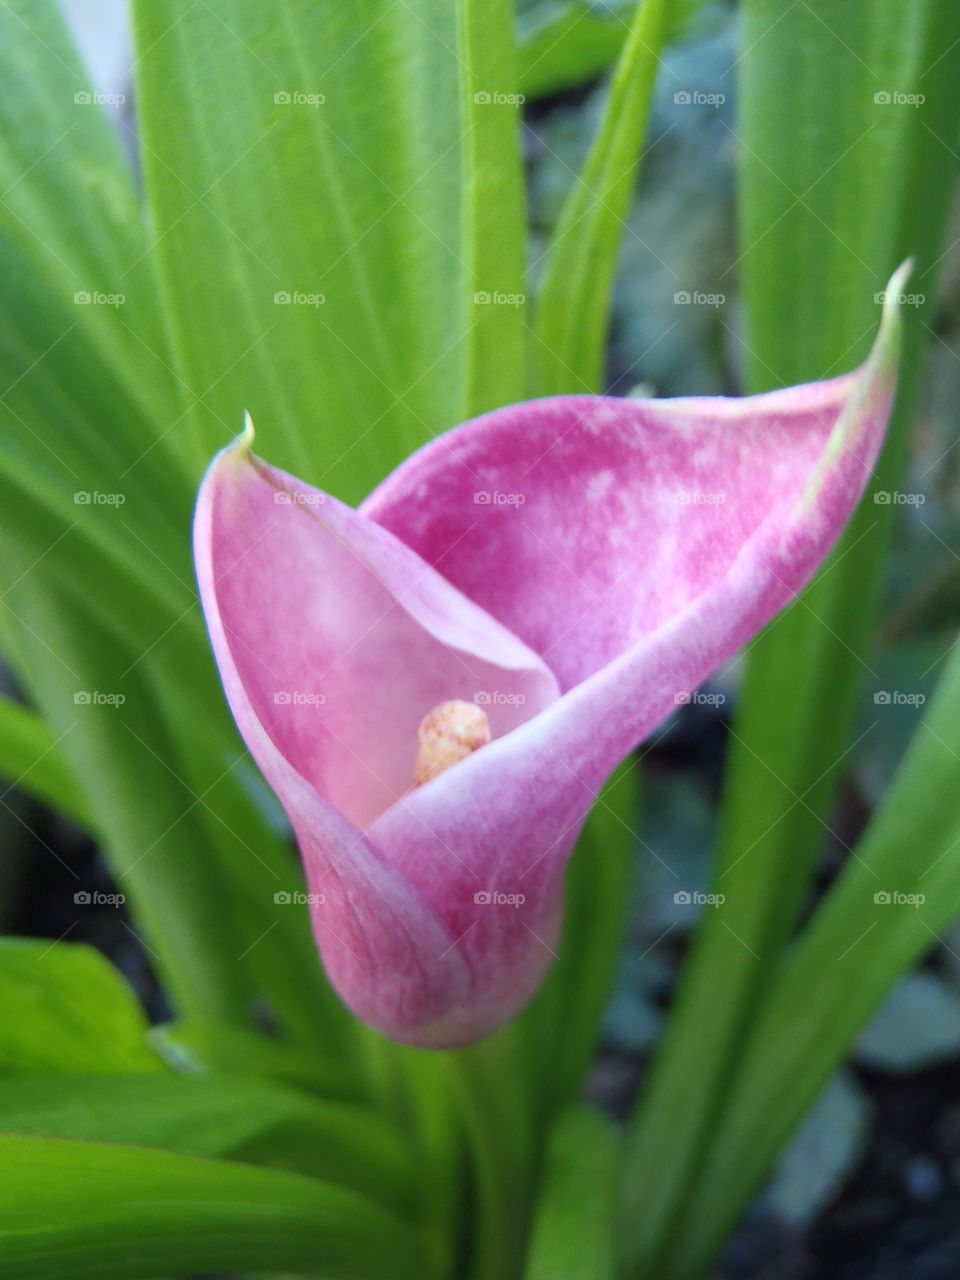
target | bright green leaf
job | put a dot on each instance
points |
(889, 906)
(241, 1120)
(837, 187)
(86, 1211)
(574, 1231)
(574, 302)
(493, 208)
(302, 166)
(65, 1008)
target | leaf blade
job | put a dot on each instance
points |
(29, 758)
(494, 223)
(332, 165)
(80, 1210)
(67, 1008)
(574, 299)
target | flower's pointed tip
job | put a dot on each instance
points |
(221, 467)
(901, 276)
(862, 423)
(239, 450)
(888, 340)
(244, 441)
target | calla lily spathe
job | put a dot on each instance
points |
(571, 566)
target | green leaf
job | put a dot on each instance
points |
(86, 1211)
(67, 1009)
(563, 44)
(89, 399)
(837, 187)
(30, 759)
(501, 1126)
(243, 1120)
(59, 152)
(494, 232)
(237, 1051)
(574, 1236)
(812, 271)
(574, 301)
(889, 906)
(326, 173)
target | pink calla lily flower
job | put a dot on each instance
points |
(437, 685)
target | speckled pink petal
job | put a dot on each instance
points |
(624, 568)
(333, 641)
(633, 545)
(584, 523)
(342, 637)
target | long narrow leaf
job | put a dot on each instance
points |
(59, 152)
(242, 1120)
(493, 208)
(816, 254)
(86, 1211)
(890, 906)
(574, 302)
(304, 222)
(30, 760)
(574, 1232)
